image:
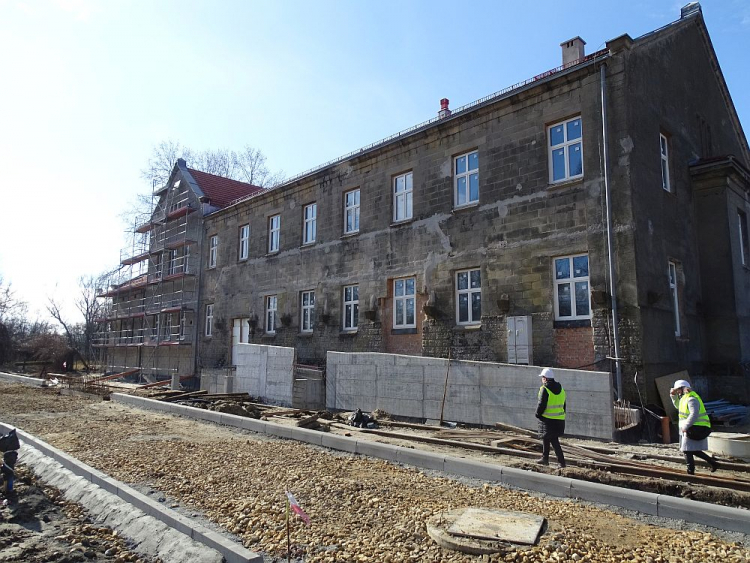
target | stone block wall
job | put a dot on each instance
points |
(478, 392)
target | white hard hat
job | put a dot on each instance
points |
(681, 383)
(548, 373)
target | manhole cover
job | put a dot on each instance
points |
(484, 530)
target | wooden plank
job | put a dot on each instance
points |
(511, 428)
(115, 375)
(308, 421)
(184, 396)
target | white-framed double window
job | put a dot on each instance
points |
(307, 311)
(209, 320)
(744, 242)
(172, 262)
(674, 295)
(244, 242)
(213, 250)
(404, 303)
(466, 179)
(351, 211)
(571, 288)
(183, 324)
(271, 308)
(351, 307)
(402, 197)
(274, 233)
(664, 150)
(310, 223)
(469, 297)
(565, 150)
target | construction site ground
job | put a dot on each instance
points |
(362, 509)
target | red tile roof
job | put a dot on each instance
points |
(221, 191)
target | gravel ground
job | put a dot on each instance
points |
(362, 509)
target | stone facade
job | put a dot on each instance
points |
(664, 84)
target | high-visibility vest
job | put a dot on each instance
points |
(555, 404)
(702, 419)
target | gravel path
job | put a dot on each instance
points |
(362, 509)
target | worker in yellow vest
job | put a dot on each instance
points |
(550, 410)
(694, 425)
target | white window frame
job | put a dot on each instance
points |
(209, 331)
(350, 307)
(664, 152)
(674, 293)
(274, 233)
(469, 292)
(213, 250)
(571, 283)
(466, 176)
(309, 223)
(307, 311)
(171, 262)
(403, 202)
(351, 209)
(183, 324)
(272, 307)
(407, 301)
(743, 234)
(244, 242)
(565, 146)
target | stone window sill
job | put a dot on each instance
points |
(467, 328)
(346, 333)
(472, 205)
(565, 184)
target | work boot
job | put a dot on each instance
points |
(562, 465)
(714, 464)
(691, 468)
(542, 461)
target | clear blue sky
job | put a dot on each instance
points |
(88, 87)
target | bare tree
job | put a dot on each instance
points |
(247, 165)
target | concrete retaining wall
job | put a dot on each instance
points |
(266, 372)
(478, 392)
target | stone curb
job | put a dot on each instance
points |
(231, 551)
(10, 378)
(715, 516)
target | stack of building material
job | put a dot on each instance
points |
(724, 413)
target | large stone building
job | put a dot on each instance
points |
(484, 233)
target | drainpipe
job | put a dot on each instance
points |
(610, 251)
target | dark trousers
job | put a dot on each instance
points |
(554, 440)
(691, 460)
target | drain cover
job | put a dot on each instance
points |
(484, 530)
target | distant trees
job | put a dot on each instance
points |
(246, 165)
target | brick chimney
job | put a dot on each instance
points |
(572, 51)
(444, 111)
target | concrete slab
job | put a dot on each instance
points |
(606, 494)
(497, 525)
(541, 482)
(341, 443)
(427, 460)
(474, 469)
(375, 449)
(722, 517)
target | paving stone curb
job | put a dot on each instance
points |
(231, 551)
(715, 516)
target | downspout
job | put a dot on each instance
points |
(610, 250)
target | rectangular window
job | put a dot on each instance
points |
(402, 197)
(271, 305)
(183, 322)
(274, 231)
(664, 146)
(744, 243)
(469, 297)
(209, 320)
(351, 307)
(307, 311)
(158, 266)
(565, 150)
(404, 303)
(675, 296)
(351, 211)
(466, 179)
(213, 250)
(310, 227)
(172, 262)
(244, 242)
(572, 295)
